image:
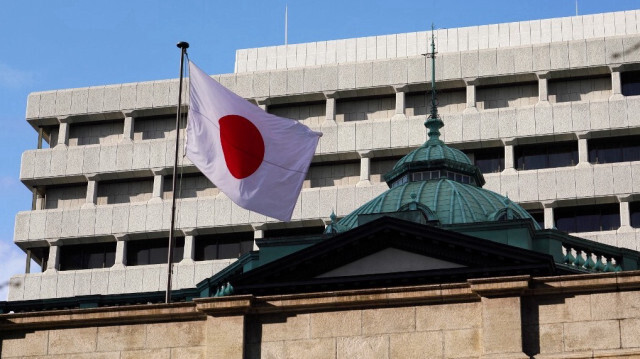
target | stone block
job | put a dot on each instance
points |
(153, 220)
(188, 353)
(635, 175)
(99, 281)
(141, 155)
(499, 322)
(602, 179)
(559, 55)
(488, 62)
(27, 164)
(47, 104)
(184, 277)
(630, 333)
(223, 210)
(63, 102)
(618, 114)
(528, 184)
(91, 160)
(313, 79)
(578, 54)
(157, 153)
(66, 283)
(103, 219)
(75, 161)
(244, 85)
(87, 222)
(592, 335)
(295, 81)
(240, 215)
(95, 100)
(541, 57)
(470, 126)
(128, 95)
(347, 76)
(526, 121)
(310, 348)
(32, 283)
(388, 320)
(175, 334)
(42, 164)
(335, 324)
(622, 178)
(72, 340)
(380, 73)
(416, 70)
(53, 225)
(188, 213)
(277, 83)
(310, 198)
(631, 44)
(462, 343)
(146, 353)
(596, 52)
(364, 74)
(120, 219)
(82, 283)
(399, 132)
(111, 98)
(452, 68)
(565, 182)
(133, 279)
(21, 227)
(469, 61)
(48, 285)
(544, 119)
(116, 281)
(121, 337)
(16, 289)
(33, 105)
(24, 344)
(363, 347)
(614, 50)
(489, 125)
(580, 116)
(345, 201)
(70, 221)
(37, 222)
(614, 305)
(328, 201)
(505, 61)
(523, 59)
(346, 137)
(562, 118)
(438, 317)
(416, 345)
(584, 182)
(363, 135)
(398, 71)
(79, 100)
(137, 217)
(381, 134)
(151, 278)
(160, 93)
(417, 133)
(58, 166)
(206, 210)
(108, 157)
(507, 122)
(509, 186)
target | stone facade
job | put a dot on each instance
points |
(111, 148)
(585, 316)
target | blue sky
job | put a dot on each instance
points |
(47, 45)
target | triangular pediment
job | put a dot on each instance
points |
(390, 260)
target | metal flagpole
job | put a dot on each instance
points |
(167, 298)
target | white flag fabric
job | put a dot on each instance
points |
(257, 159)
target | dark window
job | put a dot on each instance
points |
(292, 232)
(614, 149)
(489, 160)
(153, 251)
(593, 218)
(630, 83)
(548, 155)
(223, 246)
(634, 212)
(87, 256)
(538, 216)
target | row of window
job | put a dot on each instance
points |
(590, 218)
(155, 251)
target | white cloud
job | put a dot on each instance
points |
(12, 259)
(14, 78)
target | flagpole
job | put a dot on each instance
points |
(167, 298)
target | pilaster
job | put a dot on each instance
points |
(129, 125)
(549, 221)
(92, 192)
(616, 83)
(543, 87)
(330, 109)
(471, 95)
(583, 149)
(54, 258)
(158, 185)
(121, 252)
(189, 246)
(401, 91)
(63, 132)
(365, 168)
(509, 158)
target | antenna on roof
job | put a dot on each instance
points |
(286, 24)
(433, 122)
(576, 7)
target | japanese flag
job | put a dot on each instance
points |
(257, 159)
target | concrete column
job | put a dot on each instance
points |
(583, 149)
(40, 200)
(189, 247)
(63, 132)
(121, 252)
(509, 158)
(129, 125)
(54, 258)
(263, 103)
(330, 109)
(92, 192)
(158, 186)
(625, 214)
(543, 87)
(616, 83)
(549, 221)
(471, 95)
(258, 233)
(365, 168)
(401, 92)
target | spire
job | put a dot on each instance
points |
(433, 122)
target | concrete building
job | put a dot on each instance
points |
(547, 109)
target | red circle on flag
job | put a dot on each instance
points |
(242, 145)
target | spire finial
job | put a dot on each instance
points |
(433, 122)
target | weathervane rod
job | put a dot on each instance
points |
(167, 298)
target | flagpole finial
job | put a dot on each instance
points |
(183, 45)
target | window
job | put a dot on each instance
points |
(488, 160)
(634, 212)
(538, 216)
(593, 218)
(630, 83)
(87, 256)
(153, 251)
(548, 155)
(614, 149)
(223, 246)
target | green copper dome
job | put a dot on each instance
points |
(437, 183)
